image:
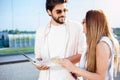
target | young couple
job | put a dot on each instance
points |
(92, 45)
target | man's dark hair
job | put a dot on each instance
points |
(50, 4)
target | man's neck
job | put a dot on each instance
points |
(55, 23)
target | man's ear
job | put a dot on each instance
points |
(49, 12)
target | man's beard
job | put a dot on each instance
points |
(58, 19)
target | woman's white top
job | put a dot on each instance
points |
(109, 75)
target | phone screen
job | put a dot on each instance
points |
(30, 59)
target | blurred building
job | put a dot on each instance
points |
(4, 40)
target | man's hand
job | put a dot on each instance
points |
(40, 67)
(39, 59)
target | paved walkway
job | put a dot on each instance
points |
(14, 58)
(18, 71)
(17, 67)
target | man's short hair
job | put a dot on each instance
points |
(50, 4)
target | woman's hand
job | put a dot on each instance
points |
(66, 64)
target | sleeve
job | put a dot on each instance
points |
(37, 44)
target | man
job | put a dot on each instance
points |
(59, 38)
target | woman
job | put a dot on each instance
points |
(102, 50)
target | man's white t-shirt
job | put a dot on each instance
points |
(56, 44)
(56, 41)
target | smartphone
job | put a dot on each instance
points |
(29, 58)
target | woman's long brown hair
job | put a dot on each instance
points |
(97, 26)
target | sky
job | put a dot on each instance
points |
(29, 15)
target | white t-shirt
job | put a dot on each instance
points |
(56, 41)
(56, 44)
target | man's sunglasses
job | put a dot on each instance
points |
(60, 11)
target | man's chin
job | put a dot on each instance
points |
(62, 21)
